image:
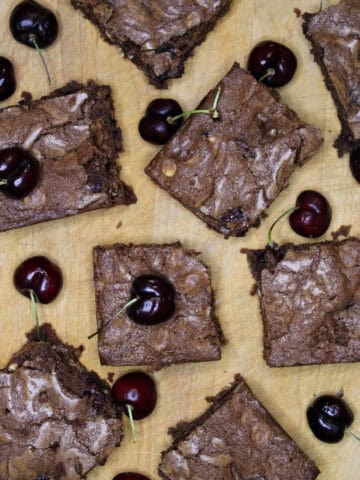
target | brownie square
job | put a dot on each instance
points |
(157, 36)
(335, 37)
(310, 302)
(73, 134)
(235, 439)
(228, 171)
(192, 334)
(57, 419)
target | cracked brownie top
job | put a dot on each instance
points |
(57, 419)
(310, 302)
(235, 439)
(229, 171)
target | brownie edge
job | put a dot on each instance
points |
(208, 445)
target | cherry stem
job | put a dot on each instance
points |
(213, 112)
(269, 72)
(125, 307)
(130, 409)
(38, 49)
(270, 240)
(35, 310)
(352, 434)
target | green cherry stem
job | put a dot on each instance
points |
(352, 434)
(213, 111)
(130, 409)
(125, 307)
(35, 310)
(269, 72)
(38, 49)
(271, 243)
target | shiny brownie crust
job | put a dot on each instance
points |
(234, 440)
(193, 334)
(309, 299)
(57, 419)
(158, 37)
(73, 134)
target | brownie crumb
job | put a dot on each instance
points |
(253, 290)
(297, 12)
(119, 224)
(343, 231)
(110, 376)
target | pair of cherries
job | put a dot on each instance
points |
(34, 26)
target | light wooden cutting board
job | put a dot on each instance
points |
(81, 54)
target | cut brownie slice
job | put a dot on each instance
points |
(192, 334)
(74, 136)
(335, 37)
(228, 171)
(310, 302)
(235, 439)
(57, 419)
(157, 36)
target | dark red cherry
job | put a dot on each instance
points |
(355, 164)
(312, 215)
(166, 107)
(7, 79)
(155, 126)
(138, 390)
(156, 300)
(270, 56)
(19, 172)
(31, 21)
(41, 276)
(328, 417)
(130, 476)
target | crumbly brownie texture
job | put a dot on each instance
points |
(310, 302)
(235, 439)
(335, 37)
(74, 136)
(228, 171)
(157, 36)
(57, 419)
(193, 334)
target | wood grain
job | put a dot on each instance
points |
(80, 54)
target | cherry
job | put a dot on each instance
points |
(312, 215)
(272, 63)
(40, 276)
(35, 26)
(329, 417)
(355, 164)
(155, 126)
(7, 79)
(19, 172)
(152, 300)
(130, 476)
(136, 392)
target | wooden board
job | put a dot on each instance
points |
(80, 54)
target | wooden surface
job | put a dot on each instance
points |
(80, 54)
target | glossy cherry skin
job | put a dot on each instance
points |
(155, 127)
(328, 417)
(40, 275)
(21, 171)
(31, 20)
(156, 300)
(272, 55)
(312, 216)
(355, 164)
(7, 79)
(130, 476)
(138, 390)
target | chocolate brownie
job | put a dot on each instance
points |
(57, 419)
(73, 135)
(235, 439)
(335, 37)
(310, 302)
(158, 37)
(192, 334)
(228, 171)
